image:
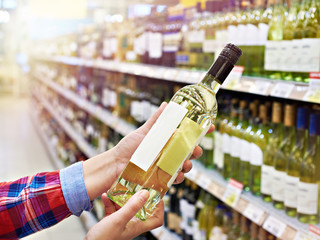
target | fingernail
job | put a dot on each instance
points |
(163, 103)
(144, 195)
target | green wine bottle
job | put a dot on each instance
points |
(309, 184)
(267, 169)
(236, 133)
(227, 134)
(282, 156)
(246, 140)
(294, 163)
(259, 142)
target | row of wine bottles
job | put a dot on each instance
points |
(273, 150)
(279, 38)
(195, 214)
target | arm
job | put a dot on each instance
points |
(31, 204)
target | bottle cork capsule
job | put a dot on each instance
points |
(276, 112)
(289, 115)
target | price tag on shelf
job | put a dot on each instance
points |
(253, 213)
(193, 174)
(232, 193)
(313, 93)
(282, 90)
(260, 87)
(234, 77)
(304, 235)
(170, 74)
(314, 229)
(274, 226)
(204, 181)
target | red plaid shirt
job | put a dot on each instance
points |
(31, 204)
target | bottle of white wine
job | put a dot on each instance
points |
(186, 119)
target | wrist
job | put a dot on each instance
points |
(99, 173)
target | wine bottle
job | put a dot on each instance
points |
(294, 163)
(259, 142)
(309, 184)
(282, 156)
(244, 232)
(236, 141)
(177, 131)
(227, 141)
(269, 155)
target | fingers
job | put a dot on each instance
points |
(187, 166)
(130, 209)
(148, 124)
(179, 178)
(211, 129)
(197, 152)
(109, 206)
(156, 220)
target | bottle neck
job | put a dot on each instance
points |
(210, 82)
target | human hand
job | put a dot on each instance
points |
(128, 145)
(121, 224)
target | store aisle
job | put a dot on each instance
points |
(23, 153)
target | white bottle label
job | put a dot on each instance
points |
(271, 58)
(296, 55)
(190, 215)
(256, 155)
(266, 179)
(242, 33)
(244, 150)
(291, 191)
(155, 45)
(207, 143)
(235, 147)
(218, 150)
(226, 143)
(285, 52)
(252, 35)
(263, 33)
(278, 185)
(158, 135)
(209, 46)
(310, 50)
(308, 198)
(232, 34)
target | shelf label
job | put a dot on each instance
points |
(314, 229)
(274, 226)
(260, 87)
(234, 77)
(304, 235)
(232, 193)
(282, 90)
(313, 93)
(204, 181)
(253, 213)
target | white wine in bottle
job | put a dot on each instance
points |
(183, 123)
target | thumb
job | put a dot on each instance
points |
(130, 209)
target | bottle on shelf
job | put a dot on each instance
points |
(282, 155)
(193, 117)
(245, 147)
(275, 36)
(259, 142)
(227, 134)
(309, 184)
(206, 217)
(244, 231)
(235, 231)
(294, 163)
(267, 168)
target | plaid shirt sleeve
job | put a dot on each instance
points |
(31, 204)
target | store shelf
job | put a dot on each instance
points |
(162, 233)
(103, 115)
(214, 183)
(77, 138)
(52, 153)
(254, 85)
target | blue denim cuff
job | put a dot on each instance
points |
(74, 189)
